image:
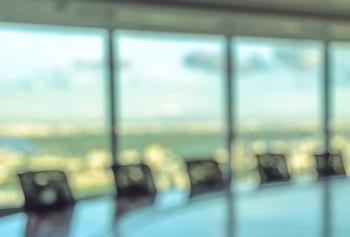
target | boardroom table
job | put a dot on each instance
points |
(285, 210)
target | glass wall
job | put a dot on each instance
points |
(171, 102)
(52, 107)
(278, 97)
(340, 92)
(340, 130)
(171, 108)
(278, 93)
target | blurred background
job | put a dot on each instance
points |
(170, 89)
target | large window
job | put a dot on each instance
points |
(340, 124)
(340, 88)
(170, 108)
(171, 102)
(52, 107)
(278, 102)
(278, 86)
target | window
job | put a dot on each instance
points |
(52, 107)
(279, 110)
(279, 103)
(340, 91)
(340, 124)
(171, 101)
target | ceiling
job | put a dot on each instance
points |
(312, 8)
(334, 8)
(310, 19)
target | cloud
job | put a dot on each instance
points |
(207, 61)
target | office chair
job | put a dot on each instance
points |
(205, 176)
(272, 168)
(329, 164)
(45, 190)
(133, 181)
(135, 187)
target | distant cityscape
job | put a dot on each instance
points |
(83, 152)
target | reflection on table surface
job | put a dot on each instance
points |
(55, 223)
(286, 210)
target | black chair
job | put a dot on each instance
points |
(134, 181)
(329, 164)
(272, 168)
(205, 176)
(45, 190)
(135, 187)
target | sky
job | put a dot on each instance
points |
(59, 75)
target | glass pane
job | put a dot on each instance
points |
(278, 101)
(52, 107)
(340, 138)
(340, 91)
(171, 96)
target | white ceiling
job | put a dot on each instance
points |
(314, 19)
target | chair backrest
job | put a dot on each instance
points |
(134, 181)
(45, 190)
(205, 176)
(272, 167)
(329, 164)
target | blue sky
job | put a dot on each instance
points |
(59, 75)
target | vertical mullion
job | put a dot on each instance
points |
(230, 133)
(229, 105)
(111, 87)
(326, 94)
(326, 132)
